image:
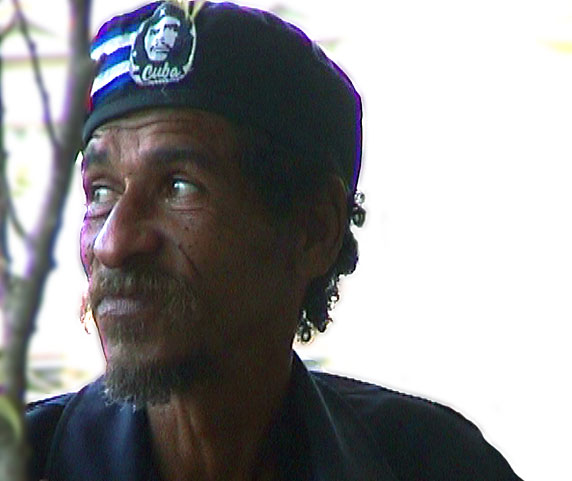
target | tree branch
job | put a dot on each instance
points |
(10, 26)
(8, 212)
(48, 120)
(24, 292)
(7, 208)
(4, 196)
(42, 238)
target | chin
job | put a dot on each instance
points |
(143, 382)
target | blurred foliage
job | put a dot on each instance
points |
(21, 181)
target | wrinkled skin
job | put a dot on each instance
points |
(195, 288)
(164, 193)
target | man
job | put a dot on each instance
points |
(161, 37)
(163, 48)
(219, 206)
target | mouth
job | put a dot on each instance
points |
(137, 304)
(112, 306)
(126, 320)
(160, 50)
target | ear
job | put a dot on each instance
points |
(321, 228)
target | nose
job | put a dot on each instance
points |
(129, 231)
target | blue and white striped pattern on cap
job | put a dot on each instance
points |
(111, 50)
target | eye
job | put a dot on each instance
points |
(183, 193)
(101, 194)
(183, 188)
(100, 200)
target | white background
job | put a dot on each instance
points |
(463, 293)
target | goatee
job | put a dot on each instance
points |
(129, 378)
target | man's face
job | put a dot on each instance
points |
(186, 269)
(161, 37)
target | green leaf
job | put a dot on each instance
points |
(9, 413)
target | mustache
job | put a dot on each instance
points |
(147, 282)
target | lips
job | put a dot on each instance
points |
(120, 307)
(160, 49)
(126, 320)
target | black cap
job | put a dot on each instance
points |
(242, 63)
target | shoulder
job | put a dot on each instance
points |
(40, 411)
(42, 420)
(42, 416)
(420, 439)
(394, 408)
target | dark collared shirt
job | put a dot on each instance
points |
(329, 429)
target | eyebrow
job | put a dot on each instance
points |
(91, 157)
(164, 155)
(178, 154)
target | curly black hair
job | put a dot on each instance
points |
(283, 180)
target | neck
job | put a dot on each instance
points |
(216, 431)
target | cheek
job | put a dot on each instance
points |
(86, 239)
(240, 260)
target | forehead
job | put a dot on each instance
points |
(166, 21)
(205, 130)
